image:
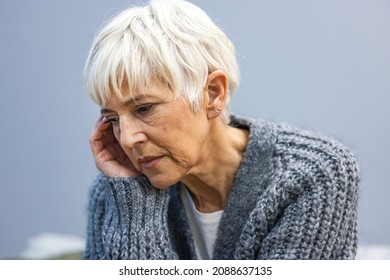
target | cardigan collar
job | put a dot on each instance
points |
(252, 178)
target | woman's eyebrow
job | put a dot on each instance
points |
(126, 103)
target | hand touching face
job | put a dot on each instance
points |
(109, 156)
(152, 133)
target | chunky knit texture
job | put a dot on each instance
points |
(294, 197)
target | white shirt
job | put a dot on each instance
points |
(204, 226)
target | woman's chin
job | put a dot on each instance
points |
(161, 183)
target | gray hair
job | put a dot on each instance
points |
(170, 41)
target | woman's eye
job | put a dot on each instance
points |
(114, 121)
(143, 109)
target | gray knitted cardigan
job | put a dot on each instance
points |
(294, 197)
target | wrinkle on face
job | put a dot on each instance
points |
(171, 129)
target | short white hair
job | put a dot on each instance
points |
(170, 41)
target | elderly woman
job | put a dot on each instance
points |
(182, 178)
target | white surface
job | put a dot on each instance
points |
(373, 252)
(47, 244)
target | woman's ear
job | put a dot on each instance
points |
(217, 91)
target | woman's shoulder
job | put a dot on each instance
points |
(295, 149)
(317, 162)
(314, 148)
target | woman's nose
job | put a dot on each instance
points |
(131, 134)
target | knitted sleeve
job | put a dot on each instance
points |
(310, 209)
(127, 219)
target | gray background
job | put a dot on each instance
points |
(321, 65)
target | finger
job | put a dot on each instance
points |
(109, 137)
(102, 123)
(99, 121)
(96, 142)
(97, 138)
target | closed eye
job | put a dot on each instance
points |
(143, 109)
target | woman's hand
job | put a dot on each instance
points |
(109, 156)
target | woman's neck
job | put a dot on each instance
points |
(210, 181)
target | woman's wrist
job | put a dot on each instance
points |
(135, 193)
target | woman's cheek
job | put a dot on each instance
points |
(117, 133)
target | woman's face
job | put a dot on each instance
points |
(160, 134)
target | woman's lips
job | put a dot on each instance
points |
(148, 162)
